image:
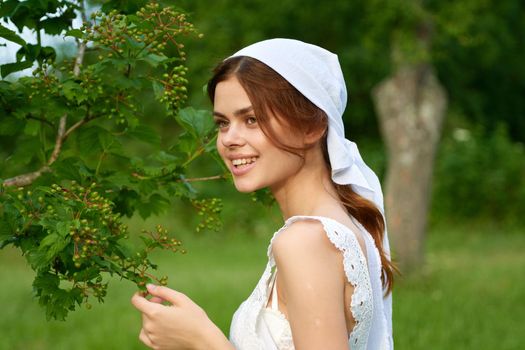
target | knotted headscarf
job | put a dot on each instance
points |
(316, 73)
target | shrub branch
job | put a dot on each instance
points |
(62, 134)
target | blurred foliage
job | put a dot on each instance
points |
(477, 48)
(480, 175)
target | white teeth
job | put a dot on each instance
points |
(243, 161)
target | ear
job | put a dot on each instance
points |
(313, 136)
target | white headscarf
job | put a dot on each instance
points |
(316, 73)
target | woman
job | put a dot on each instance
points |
(278, 105)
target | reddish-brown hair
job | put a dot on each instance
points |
(272, 95)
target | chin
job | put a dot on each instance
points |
(246, 187)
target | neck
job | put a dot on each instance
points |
(309, 192)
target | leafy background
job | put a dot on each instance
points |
(468, 294)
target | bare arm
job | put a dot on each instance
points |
(312, 280)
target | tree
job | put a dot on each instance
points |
(411, 105)
(85, 154)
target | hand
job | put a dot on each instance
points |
(181, 325)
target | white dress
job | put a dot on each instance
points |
(256, 327)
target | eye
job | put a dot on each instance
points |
(221, 123)
(251, 120)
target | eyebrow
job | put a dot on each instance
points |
(237, 113)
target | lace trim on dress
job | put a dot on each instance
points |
(243, 332)
(375, 264)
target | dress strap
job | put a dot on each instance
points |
(272, 286)
(275, 299)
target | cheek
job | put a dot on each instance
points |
(220, 146)
(288, 162)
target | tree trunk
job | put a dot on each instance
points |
(411, 105)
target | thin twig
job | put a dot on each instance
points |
(26, 179)
(78, 124)
(79, 58)
(82, 45)
(193, 179)
(59, 140)
(208, 178)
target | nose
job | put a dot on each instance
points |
(233, 136)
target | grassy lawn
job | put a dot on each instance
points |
(470, 295)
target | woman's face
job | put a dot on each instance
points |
(254, 161)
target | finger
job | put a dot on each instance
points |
(143, 336)
(156, 300)
(142, 304)
(166, 294)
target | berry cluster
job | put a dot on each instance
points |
(175, 91)
(44, 82)
(209, 209)
(95, 225)
(71, 233)
(123, 41)
(150, 30)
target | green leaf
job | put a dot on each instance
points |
(56, 301)
(158, 89)
(25, 151)
(198, 123)
(47, 53)
(147, 134)
(166, 158)
(23, 16)
(88, 274)
(186, 144)
(6, 233)
(7, 7)
(88, 140)
(10, 126)
(55, 25)
(8, 68)
(29, 51)
(135, 45)
(50, 246)
(32, 127)
(156, 204)
(63, 228)
(36, 258)
(68, 168)
(71, 90)
(46, 283)
(154, 60)
(76, 33)
(119, 180)
(11, 35)
(109, 143)
(147, 186)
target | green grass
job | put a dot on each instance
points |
(470, 294)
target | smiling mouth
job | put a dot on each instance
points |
(244, 162)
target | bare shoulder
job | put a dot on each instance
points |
(303, 237)
(311, 285)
